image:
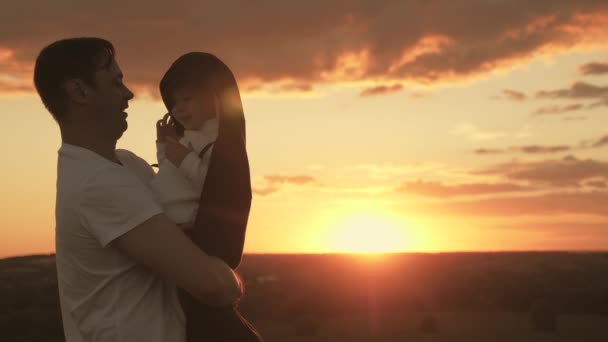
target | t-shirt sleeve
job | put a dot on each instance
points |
(113, 202)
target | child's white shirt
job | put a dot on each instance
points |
(178, 189)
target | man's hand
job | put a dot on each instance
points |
(165, 128)
(175, 151)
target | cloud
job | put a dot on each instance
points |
(578, 90)
(593, 68)
(562, 203)
(381, 90)
(12, 88)
(297, 180)
(418, 95)
(274, 183)
(15, 76)
(435, 189)
(472, 132)
(535, 149)
(530, 149)
(575, 118)
(424, 42)
(565, 172)
(296, 87)
(602, 102)
(545, 149)
(265, 191)
(601, 142)
(599, 184)
(514, 95)
(382, 171)
(595, 143)
(556, 109)
(488, 151)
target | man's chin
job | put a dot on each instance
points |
(124, 129)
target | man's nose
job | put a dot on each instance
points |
(129, 95)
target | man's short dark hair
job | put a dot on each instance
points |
(68, 59)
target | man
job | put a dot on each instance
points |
(119, 258)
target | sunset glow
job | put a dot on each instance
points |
(385, 127)
(368, 233)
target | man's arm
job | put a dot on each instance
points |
(161, 246)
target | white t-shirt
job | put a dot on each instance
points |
(178, 189)
(105, 296)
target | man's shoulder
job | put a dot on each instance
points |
(139, 166)
(121, 152)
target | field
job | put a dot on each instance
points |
(402, 297)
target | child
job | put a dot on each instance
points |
(203, 181)
(183, 160)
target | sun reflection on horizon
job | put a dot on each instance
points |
(369, 235)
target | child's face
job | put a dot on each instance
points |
(192, 108)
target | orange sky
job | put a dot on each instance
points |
(393, 126)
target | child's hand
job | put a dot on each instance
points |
(165, 127)
(175, 151)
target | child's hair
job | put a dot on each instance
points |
(208, 76)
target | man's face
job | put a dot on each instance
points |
(108, 100)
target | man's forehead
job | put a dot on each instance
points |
(113, 69)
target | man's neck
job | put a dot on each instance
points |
(91, 141)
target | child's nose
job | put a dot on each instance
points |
(177, 110)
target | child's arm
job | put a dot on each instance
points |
(195, 168)
(160, 151)
(165, 132)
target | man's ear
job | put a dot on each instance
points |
(76, 89)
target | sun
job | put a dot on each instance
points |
(368, 233)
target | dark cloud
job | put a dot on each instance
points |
(599, 184)
(514, 95)
(435, 189)
(488, 151)
(601, 103)
(563, 203)
(313, 41)
(381, 90)
(536, 149)
(545, 149)
(593, 68)
(601, 142)
(530, 149)
(578, 90)
(556, 109)
(595, 143)
(265, 191)
(568, 171)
